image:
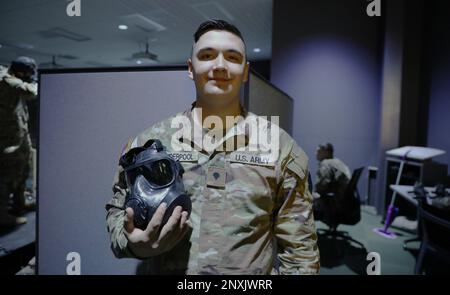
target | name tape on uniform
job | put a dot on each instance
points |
(252, 159)
(184, 156)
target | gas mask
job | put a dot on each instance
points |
(153, 177)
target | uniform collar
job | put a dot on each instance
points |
(244, 111)
(237, 134)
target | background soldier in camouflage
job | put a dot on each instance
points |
(248, 216)
(332, 178)
(16, 87)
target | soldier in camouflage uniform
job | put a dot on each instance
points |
(16, 87)
(255, 215)
(332, 178)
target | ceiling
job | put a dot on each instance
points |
(41, 29)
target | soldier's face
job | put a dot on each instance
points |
(320, 154)
(218, 66)
(20, 75)
(23, 75)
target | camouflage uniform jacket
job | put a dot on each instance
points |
(13, 109)
(332, 176)
(260, 223)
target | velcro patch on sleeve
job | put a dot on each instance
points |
(299, 163)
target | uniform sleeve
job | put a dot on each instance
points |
(26, 90)
(115, 217)
(295, 232)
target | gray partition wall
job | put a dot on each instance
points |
(86, 119)
(264, 99)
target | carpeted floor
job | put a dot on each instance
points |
(341, 256)
(17, 245)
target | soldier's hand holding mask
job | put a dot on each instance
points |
(157, 205)
(156, 238)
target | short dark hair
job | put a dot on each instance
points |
(216, 24)
(23, 64)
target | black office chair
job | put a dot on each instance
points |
(343, 210)
(435, 225)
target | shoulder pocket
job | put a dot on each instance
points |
(298, 163)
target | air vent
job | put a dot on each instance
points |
(142, 22)
(63, 33)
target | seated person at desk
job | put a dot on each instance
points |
(331, 179)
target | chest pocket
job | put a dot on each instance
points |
(193, 171)
(251, 183)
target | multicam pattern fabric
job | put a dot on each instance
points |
(13, 110)
(260, 222)
(332, 176)
(15, 142)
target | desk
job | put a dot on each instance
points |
(414, 170)
(406, 192)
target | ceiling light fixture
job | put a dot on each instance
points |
(256, 50)
(123, 27)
